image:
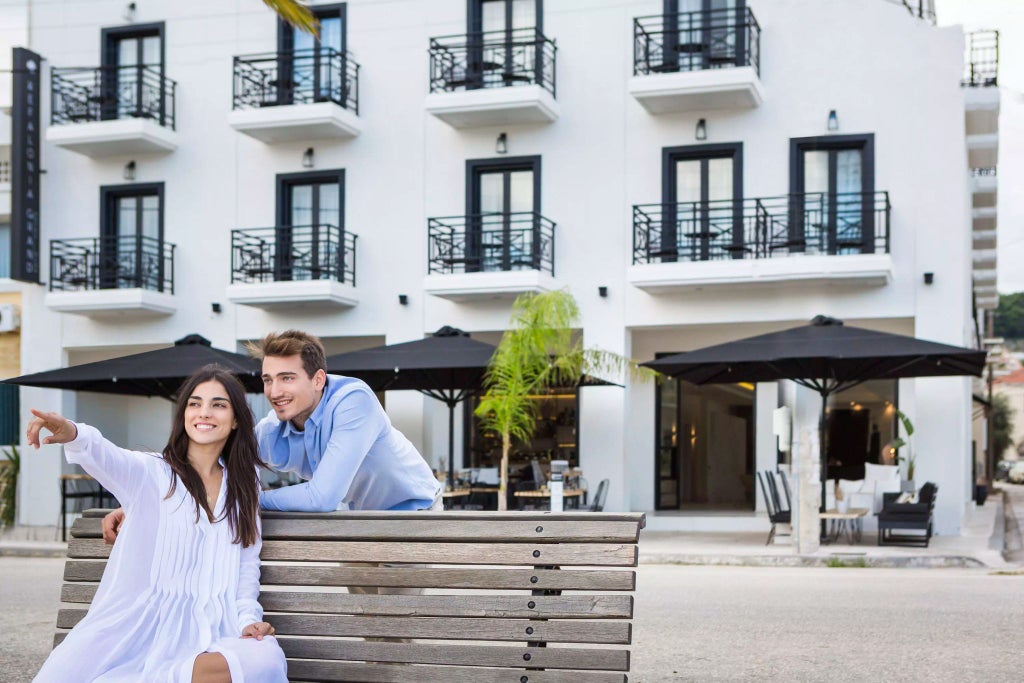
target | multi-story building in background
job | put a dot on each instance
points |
(693, 171)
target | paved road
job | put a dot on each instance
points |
(724, 623)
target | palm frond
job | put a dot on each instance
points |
(296, 14)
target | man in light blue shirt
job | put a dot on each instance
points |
(332, 431)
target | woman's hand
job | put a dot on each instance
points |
(258, 630)
(63, 429)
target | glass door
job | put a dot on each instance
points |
(308, 242)
(700, 217)
(131, 78)
(702, 34)
(501, 49)
(503, 230)
(314, 69)
(834, 195)
(131, 246)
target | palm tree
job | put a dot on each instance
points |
(539, 351)
(296, 14)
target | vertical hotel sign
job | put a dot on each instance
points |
(25, 166)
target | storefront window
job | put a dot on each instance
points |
(861, 421)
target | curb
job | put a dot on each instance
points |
(835, 560)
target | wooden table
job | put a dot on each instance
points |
(848, 522)
(546, 493)
(454, 493)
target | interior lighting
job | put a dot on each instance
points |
(702, 130)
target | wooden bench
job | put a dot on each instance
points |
(528, 597)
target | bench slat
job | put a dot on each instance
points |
(495, 606)
(606, 632)
(303, 670)
(567, 554)
(414, 577)
(591, 659)
(449, 528)
(543, 515)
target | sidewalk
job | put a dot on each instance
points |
(979, 545)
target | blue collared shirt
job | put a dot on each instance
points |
(349, 452)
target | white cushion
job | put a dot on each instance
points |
(867, 486)
(881, 472)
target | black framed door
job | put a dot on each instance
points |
(703, 34)
(132, 237)
(503, 211)
(702, 194)
(314, 69)
(132, 73)
(499, 51)
(310, 220)
(832, 188)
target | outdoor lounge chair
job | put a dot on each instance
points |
(777, 514)
(903, 517)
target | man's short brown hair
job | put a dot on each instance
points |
(292, 343)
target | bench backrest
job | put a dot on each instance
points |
(527, 597)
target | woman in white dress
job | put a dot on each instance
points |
(178, 599)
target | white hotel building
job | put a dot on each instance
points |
(694, 171)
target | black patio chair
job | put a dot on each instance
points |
(776, 513)
(903, 517)
(599, 497)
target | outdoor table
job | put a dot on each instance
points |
(848, 522)
(545, 493)
(454, 493)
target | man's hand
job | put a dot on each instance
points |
(258, 630)
(63, 430)
(112, 525)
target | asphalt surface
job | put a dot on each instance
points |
(723, 623)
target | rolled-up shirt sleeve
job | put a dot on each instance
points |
(358, 423)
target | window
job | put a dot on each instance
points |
(504, 49)
(132, 237)
(310, 218)
(704, 34)
(503, 214)
(132, 69)
(314, 69)
(702, 195)
(861, 421)
(832, 182)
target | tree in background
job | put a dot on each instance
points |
(1002, 426)
(1010, 317)
(540, 350)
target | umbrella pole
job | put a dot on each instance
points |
(822, 430)
(451, 445)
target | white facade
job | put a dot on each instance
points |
(883, 72)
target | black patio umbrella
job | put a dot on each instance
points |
(825, 356)
(151, 373)
(447, 366)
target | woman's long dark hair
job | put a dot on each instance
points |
(240, 455)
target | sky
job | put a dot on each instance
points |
(1006, 16)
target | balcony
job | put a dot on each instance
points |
(493, 78)
(99, 277)
(303, 95)
(818, 237)
(981, 65)
(312, 266)
(697, 61)
(490, 256)
(112, 111)
(5, 188)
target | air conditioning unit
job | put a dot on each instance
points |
(10, 317)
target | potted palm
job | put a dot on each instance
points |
(910, 458)
(537, 352)
(10, 467)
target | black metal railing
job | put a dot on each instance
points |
(493, 59)
(983, 171)
(293, 252)
(919, 9)
(120, 262)
(812, 224)
(106, 93)
(981, 63)
(273, 79)
(695, 41)
(491, 242)
(5, 171)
